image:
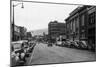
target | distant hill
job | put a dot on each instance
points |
(39, 32)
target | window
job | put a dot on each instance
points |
(82, 30)
(82, 20)
(67, 26)
(83, 35)
(92, 18)
(71, 24)
(74, 25)
(77, 22)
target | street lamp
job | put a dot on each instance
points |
(13, 17)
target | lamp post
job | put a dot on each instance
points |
(14, 20)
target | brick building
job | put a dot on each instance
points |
(56, 29)
(80, 25)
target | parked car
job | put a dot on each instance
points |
(76, 44)
(26, 48)
(71, 44)
(67, 43)
(92, 47)
(83, 45)
(63, 43)
(49, 44)
(18, 53)
(59, 43)
(31, 47)
(19, 57)
(16, 45)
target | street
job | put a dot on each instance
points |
(42, 54)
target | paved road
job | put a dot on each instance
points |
(43, 54)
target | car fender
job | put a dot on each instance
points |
(16, 58)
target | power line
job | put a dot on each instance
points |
(47, 2)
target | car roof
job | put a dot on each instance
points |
(21, 41)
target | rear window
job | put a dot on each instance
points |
(17, 45)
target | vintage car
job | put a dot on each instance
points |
(49, 44)
(59, 43)
(76, 44)
(83, 44)
(67, 44)
(17, 53)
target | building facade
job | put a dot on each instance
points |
(18, 32)
(23, 33)
(81, 23)
(15, 35)
(29, 35)
(92, 26)
(55, 29)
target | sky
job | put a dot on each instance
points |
(36, 16)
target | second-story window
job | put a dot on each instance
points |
(92, 18)
(82, 20)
